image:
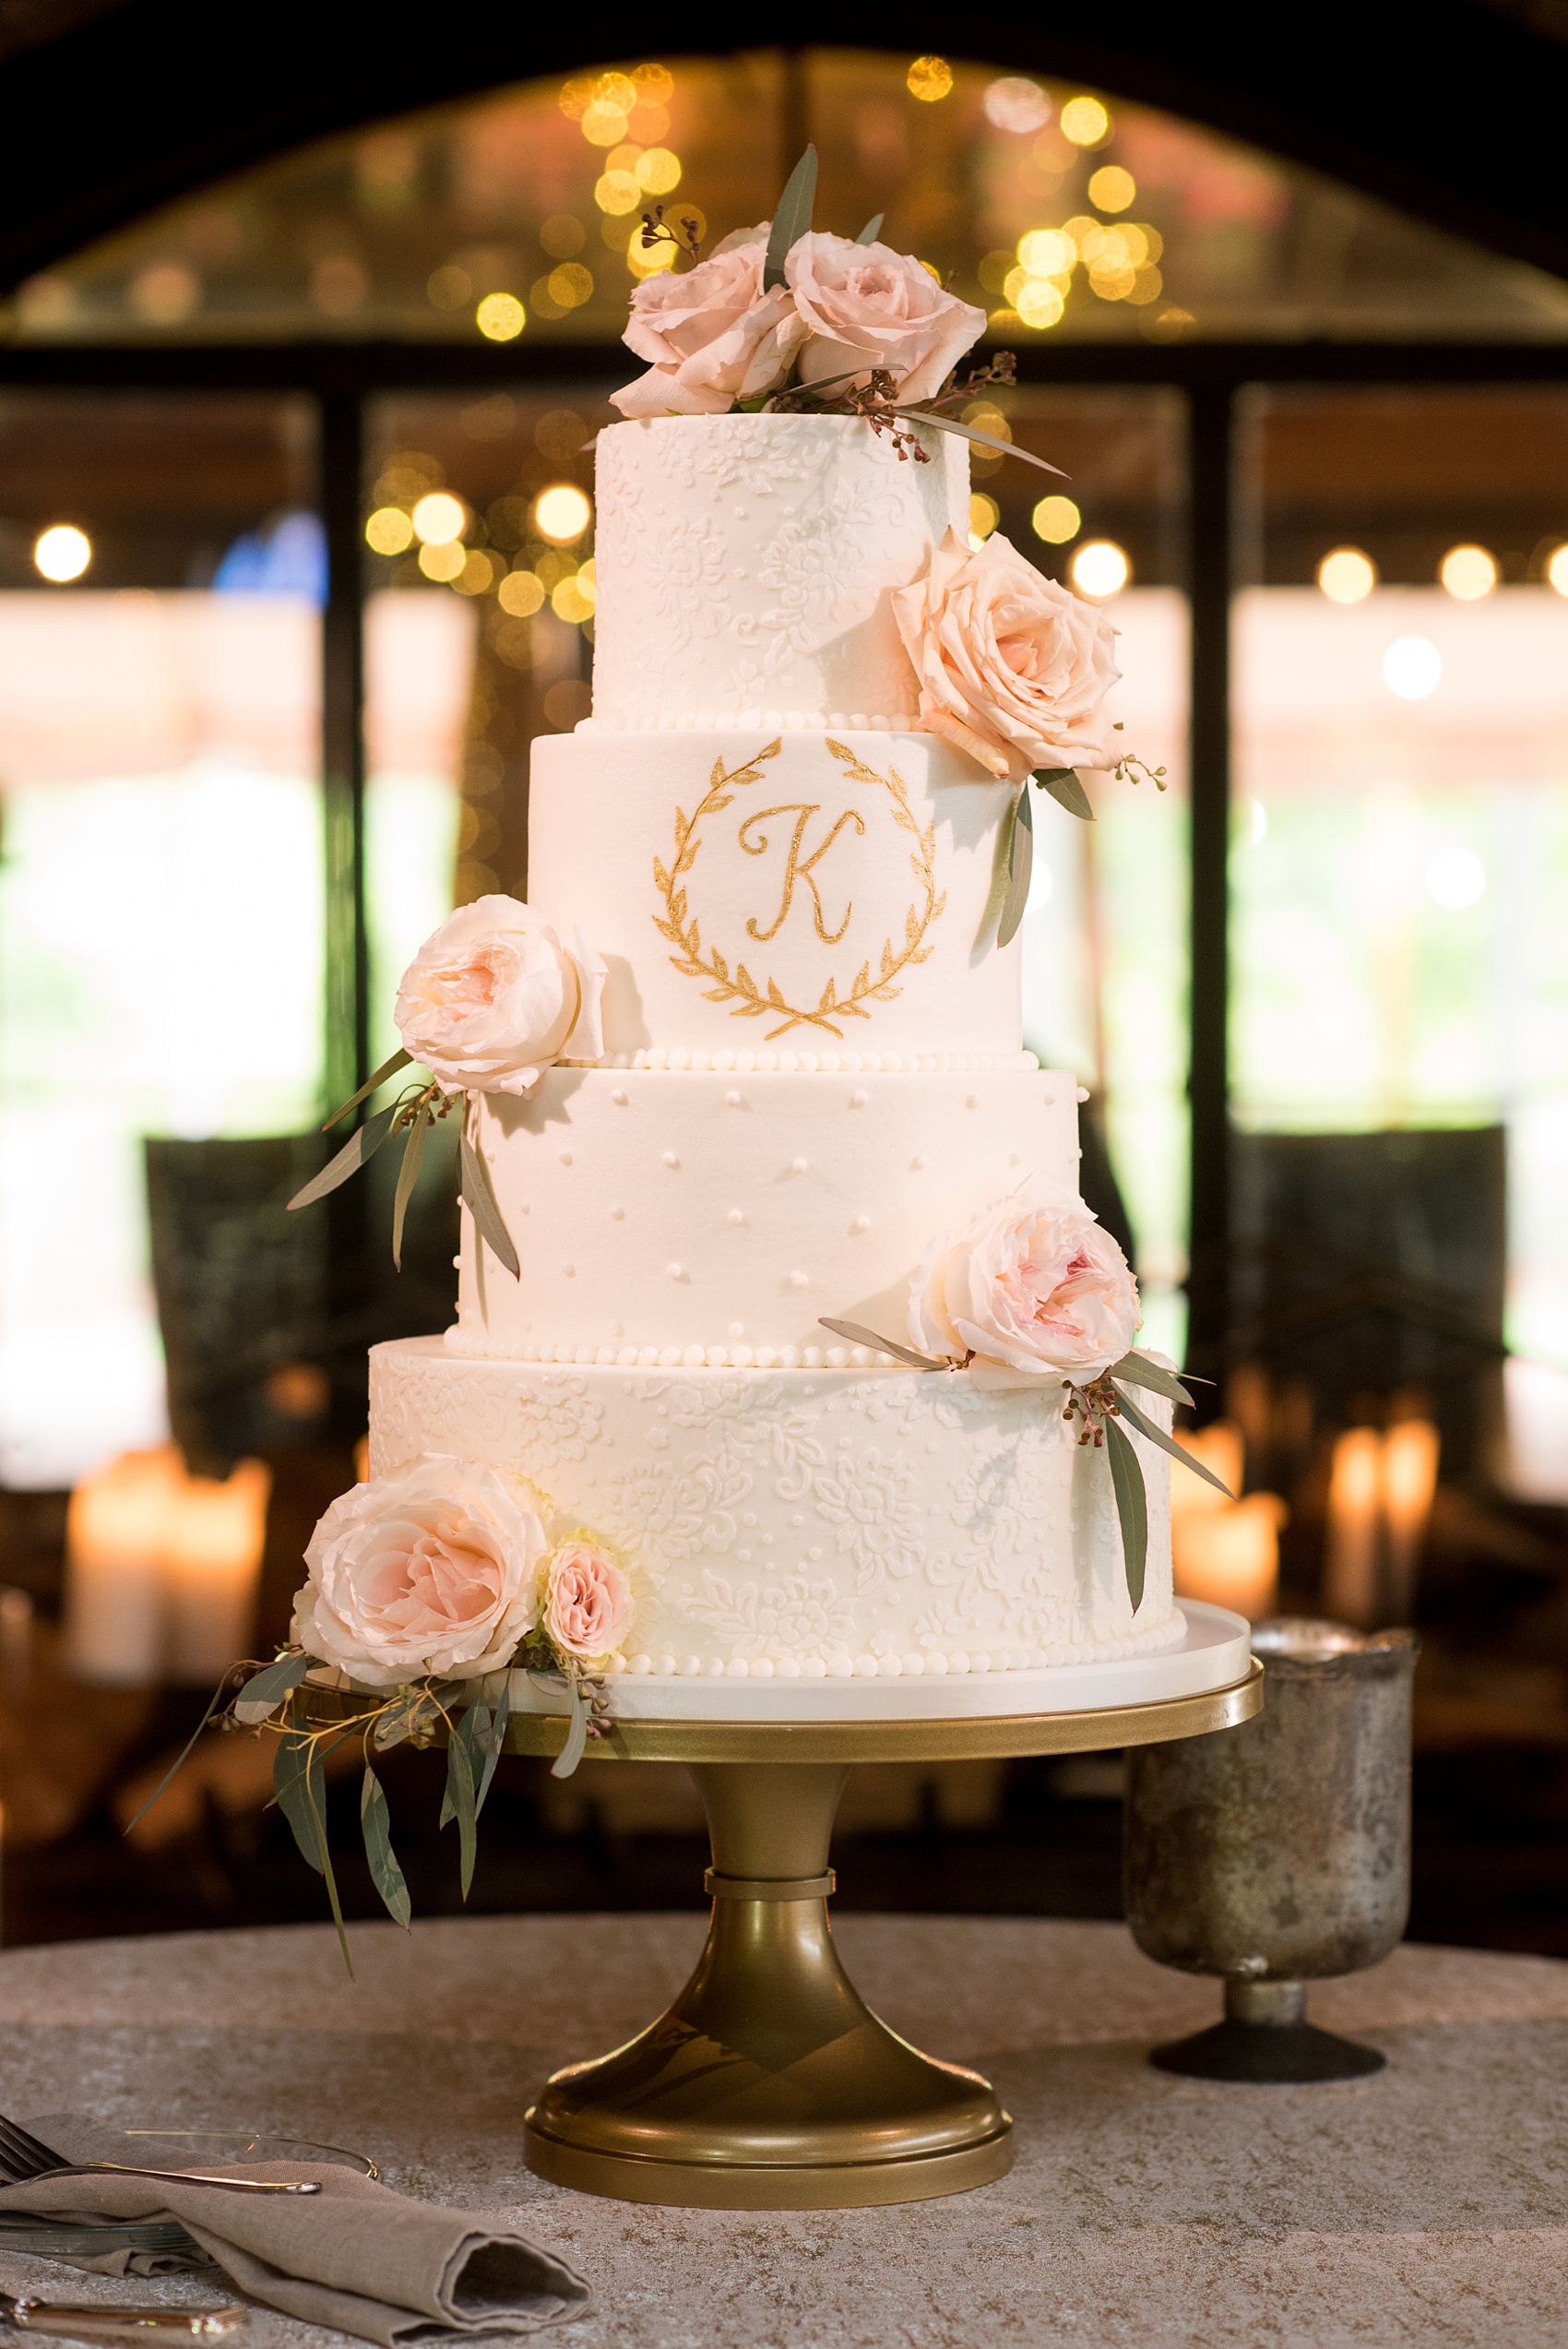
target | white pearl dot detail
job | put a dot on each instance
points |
(670, 1159)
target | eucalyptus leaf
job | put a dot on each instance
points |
(401, 1059)
(299, 1785)
(407, 1176)
(459, 1802)
(479, 1196)
(1132, 1508)
(872, 229)
(986, 440)
(1063, 784)
(269, 1688)
(405, 1718)
(1020, 865)
(572, 1752)
(1139, 1371)
(859, 1337)
(359, 1147)
(375, 1826)
(466, 1730)
(1157, 1436)
(791, 217)
(178, 1764)
(493, 1741)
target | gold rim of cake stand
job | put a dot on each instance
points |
(985, 1738)
(769, 2084)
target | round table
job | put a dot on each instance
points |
(1429, 2203)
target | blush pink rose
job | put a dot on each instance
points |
(713, 335)
(495, 998)
(1035, 1290)
(588, 1603)
(1013, 668)
(865, 306)
(432, 1570)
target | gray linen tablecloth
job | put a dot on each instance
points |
(1426, 2207)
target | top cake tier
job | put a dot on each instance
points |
(745, 567)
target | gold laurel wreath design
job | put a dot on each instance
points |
(737, 986)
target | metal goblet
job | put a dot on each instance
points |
(1278, 1852)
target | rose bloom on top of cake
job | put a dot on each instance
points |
(427, 1586)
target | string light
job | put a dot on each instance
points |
(1085, 122)
(1056, 519)
(388, 531)
(501, 317)
(560, 513)
(1468, 573)
(62, 553)
(439, 517)
(1101, 569)
(928, 78)
(1347, 575)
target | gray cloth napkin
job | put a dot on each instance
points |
(355, 2256)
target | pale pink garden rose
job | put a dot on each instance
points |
(1035, 1290)
(495, 997)
(1013, 668)
(713, 335)
(865, 306)
(432, 1570)
(588, 1603)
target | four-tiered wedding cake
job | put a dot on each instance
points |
(795, 1088)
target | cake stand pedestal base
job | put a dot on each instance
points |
(769, 2084)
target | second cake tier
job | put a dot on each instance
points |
(715, 1215)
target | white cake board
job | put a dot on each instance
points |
(1215, 1652)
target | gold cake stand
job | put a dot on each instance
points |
(769, 2085)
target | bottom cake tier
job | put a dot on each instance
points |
(810, 1522)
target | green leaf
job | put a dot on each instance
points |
(791, 217)
(493, 1742)
(407, 1176)
(859, 1337)
(459, 1800)
(479, 1196)
(1157, 1435)
(359, 1147)
(576, 1746)
(1020, 865)
(1132, 1508)
(269, 1687)
(401, 1059)
(986, 440)
(299, 1784)
(375, 1826)
(1139, 1371)
(1066, 791)
(872, 229)
(179, 1763)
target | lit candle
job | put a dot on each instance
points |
(1219, 1448)
(1409, 1480)
(213, 1550)
(116, 1528)
(1355, 1493)
(1230, 1556)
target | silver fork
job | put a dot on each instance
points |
(23, 2158)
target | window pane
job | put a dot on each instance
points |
(1401, 848)
(531, 192)
(161, 898)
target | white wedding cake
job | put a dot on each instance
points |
(811, 1073)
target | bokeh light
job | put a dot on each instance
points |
(928, 78)
(1037, 301)
(1455, 878)
(570, 285)
(1017, 103)
(443, 560)
(1056, 519)
(569, 602)
(449, 288)
(477, 574)
(1101, 569)
(1111, 189)
(439, 519)
(1468, 573)
(501, 317)
(1412, 667)
(62, 553)
(388, 531)
(659, 170)
(984, 515)
(560, 513)
(1085, 122)
(1557, 569)
(1047, 253)
(165, 293)
(1347, 575)
(561, 234)
(520, 593)
(617, 192)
